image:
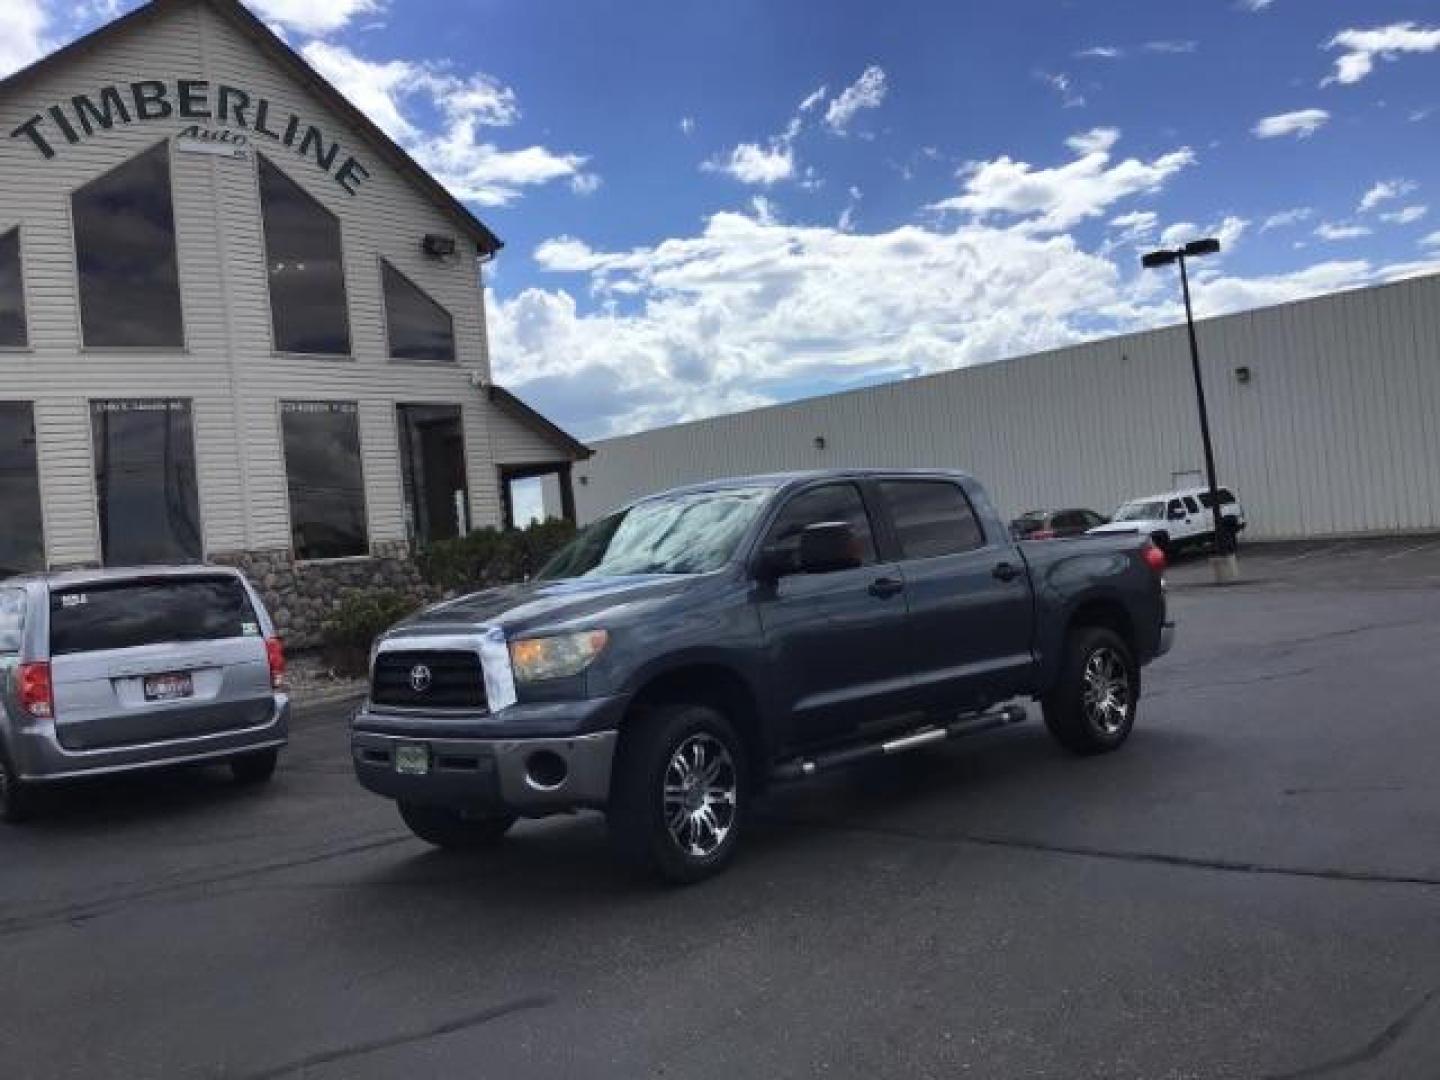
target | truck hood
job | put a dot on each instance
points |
(547, 604)
(1113, 528)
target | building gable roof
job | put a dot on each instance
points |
(524, 414)
(295, 65)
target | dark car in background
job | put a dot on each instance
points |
(1055, 524)
(106, 671)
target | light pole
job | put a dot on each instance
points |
(1224, 562)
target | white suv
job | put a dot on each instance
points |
(1178, 519)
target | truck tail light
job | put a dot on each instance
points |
(37, 692)
(275, 653)
(1042, 534)
(1154, 557)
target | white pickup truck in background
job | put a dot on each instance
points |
(1175, 520)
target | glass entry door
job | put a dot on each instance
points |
(432, 466)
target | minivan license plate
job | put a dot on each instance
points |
(169, 687)
(412, 760)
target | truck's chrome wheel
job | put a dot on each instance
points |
(1107, 691)
(701, 787)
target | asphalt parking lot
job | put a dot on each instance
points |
(1251, 888)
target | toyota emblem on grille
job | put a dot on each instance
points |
(420, 678)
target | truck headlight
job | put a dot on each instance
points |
(539, 658)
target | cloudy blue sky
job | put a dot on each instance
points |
(713, 205)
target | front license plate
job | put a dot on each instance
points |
(412, 760)
(169, 687)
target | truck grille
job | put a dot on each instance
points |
(455, 680)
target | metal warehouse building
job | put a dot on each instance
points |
(237, 322)
(1326, 418)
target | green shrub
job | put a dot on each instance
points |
(357, 620)
(491, 556)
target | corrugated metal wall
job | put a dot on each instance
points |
(1337, 431)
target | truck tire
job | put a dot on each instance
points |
(678, 798)
(17, 803)
(455, 830)
(255, 768)
(1091, 708)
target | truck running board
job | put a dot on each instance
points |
(974, 724)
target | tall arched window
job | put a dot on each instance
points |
(125, 255)
(13, 332)
(307, 276)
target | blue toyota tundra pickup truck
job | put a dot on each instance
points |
(688, 650)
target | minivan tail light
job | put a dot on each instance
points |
(275, 653)
(37, 692)
(1154, 558)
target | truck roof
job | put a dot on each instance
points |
(798, 476)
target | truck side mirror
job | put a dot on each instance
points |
(827, 546)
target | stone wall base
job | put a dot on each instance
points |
(301, 596)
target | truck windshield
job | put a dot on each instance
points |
(689, 533)
(1141, 511)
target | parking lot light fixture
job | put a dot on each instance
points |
(1224, 563)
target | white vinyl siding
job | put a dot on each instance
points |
(1336, 433)
(228, 367)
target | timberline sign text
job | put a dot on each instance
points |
(187, 99)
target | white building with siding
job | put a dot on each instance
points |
(1325, 415)
(237, 322)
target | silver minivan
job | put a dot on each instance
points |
(105, 671)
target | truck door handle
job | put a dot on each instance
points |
(885, 587)
(1006, 571)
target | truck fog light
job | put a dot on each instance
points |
(546, 770)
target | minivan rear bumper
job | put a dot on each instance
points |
(38, 755)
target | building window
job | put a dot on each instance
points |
(13, 333)
(125, 255)
(307, 275)
(22, 539)
(327, 486)
(432, 468)
(145, 481)
(420, 329)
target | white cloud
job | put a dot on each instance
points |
(1329, 230)
(1181, 232)
(1255, 5)
(687, 125)
(751, 163)
(1135, 226)
(1405, 216)
(585, 183)
(1100, 140)
(1220, 295)
(1051, 200)
(1383, 191)
(1101, 52)
(1433, 240)
(395, 93)
(24, 38)
(814, 98)
(1282, 218)
(1360, 48)
(1063, 85)
(1302, 123)
(1171, 46)
(314, 17)
(866, 92)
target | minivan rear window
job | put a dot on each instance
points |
(123, 614)
(12, 619)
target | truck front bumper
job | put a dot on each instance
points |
(1167, 639)
(487, 764)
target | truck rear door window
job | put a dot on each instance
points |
(932, 517)
(124, 614)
